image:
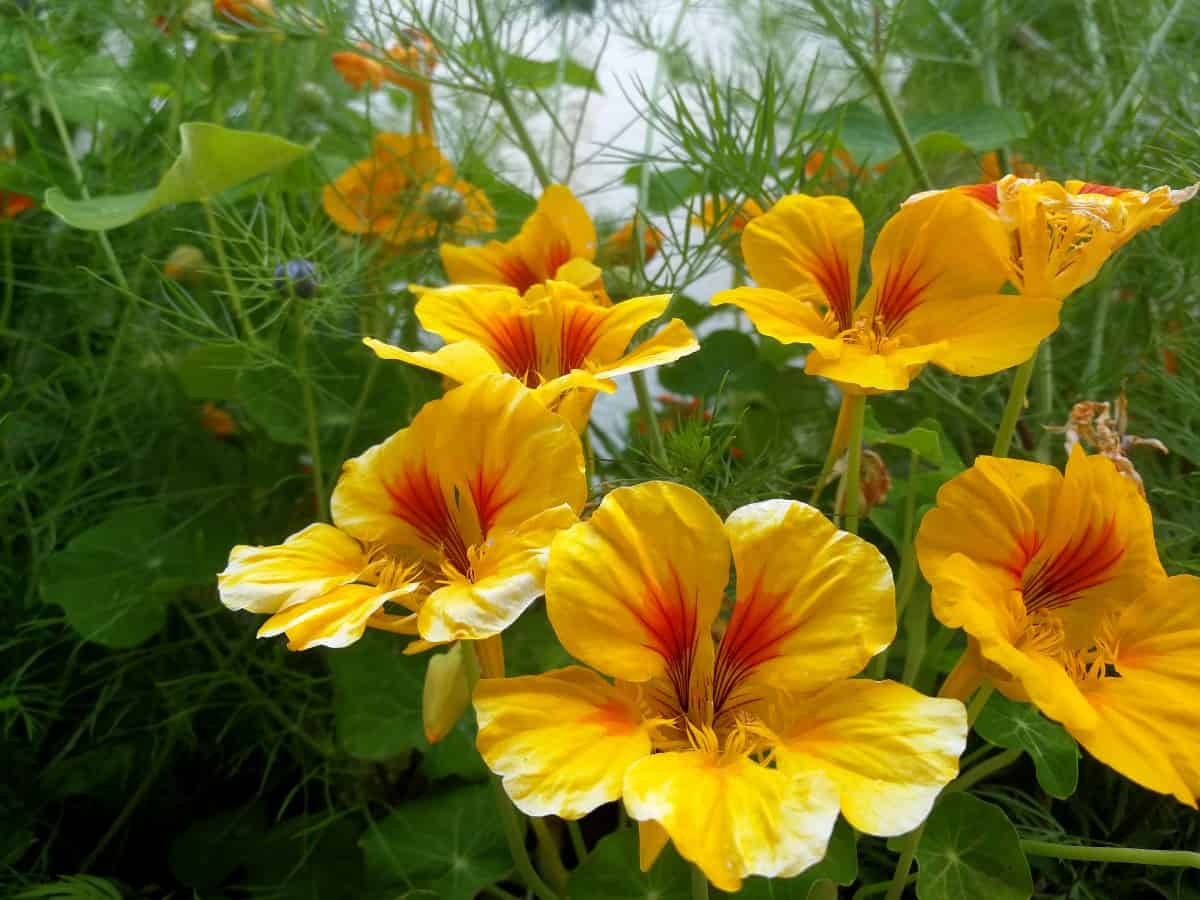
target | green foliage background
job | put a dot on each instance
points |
(151, 747)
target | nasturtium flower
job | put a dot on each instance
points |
(732, 219)
(557, 242)
(1061, 235)
(744, 751)
(409, 64)
(450, 519)
(620, 249)
(13, 204)
(243, 12)
(937, 268)
(406, 192)
(1056, 580)
(555, 339)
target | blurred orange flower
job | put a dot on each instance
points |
(989, 167)
(217, 421)
(13, 204)
(406, 191)
(243, 12)
(409, 63)
(619, 249)
(733, 219)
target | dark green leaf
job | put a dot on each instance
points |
(209, 850)
(307, 858)
(722, 354)
(212, 159)
(210, 371)
(109, 580)
(451, 842)
(377, 696)
(611, 870)
(1019, 726)
(970, 849)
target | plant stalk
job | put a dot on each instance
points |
(514, 834)
(874, 80)
(1012, 409)
(310, 413)
(1175, 858)
(979, 772)
(904, 864)
(699, 884)
(231, 288)
(857, 413)
(646, 410)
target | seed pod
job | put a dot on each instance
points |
(445, 205)
(297, 276)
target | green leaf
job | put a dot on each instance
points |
(99, 90)
(534, 74)
(273, 397)
(611, 870)
(209, 850)
(307, 858)
(110, 579)
(867, 137)
(668, 188)
(210, 371)
(970, 849)
(73, 887)
(924, 441)
(531, 646)
(377, 696)
(212, 159)
(451, 842)
(1019, 726)
(840, 866)
(721, 354)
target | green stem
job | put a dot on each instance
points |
(1045, 393)
(10, 273)
(118, 273)
(500, 92)
(874, 79)
(310, 413)
(548, 855)
(988, 69)
(1012, 409)
(646, 409)
(1184, 859)
(908, 561)
(904, 864)
(979, 701)
(231, 288)
(1099, 325)
(514, 834)
(912, 665)
(989, 766)
(879, 887)
(699, 884)
(577, 842)
(858, 412)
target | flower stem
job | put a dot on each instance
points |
(979, 701)
(699, 884)
(857, 413)
(500, 92)
(548, 855)
(904, 865)
(908, 564)
(1176, 858)
(231, 288)
(1045, 397)
(310, 413)
(577, 842)
(989, 766)
(875, 80)
(514, 834)
(1012, 410)
(646, 409)
(837, 443)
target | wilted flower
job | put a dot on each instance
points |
(1092, 425)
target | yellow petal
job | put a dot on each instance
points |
(334, 619)
(652, 840)
(1147, 726)
(445, 694)
(561, 741)
(460, 361)
(946, 246)
(810, 247)
(673, 342)
(491, 263)
(733, 817)
(618, 324)
(814, 604)
(786, 317)
(633, 591)
(486, 455)
(507, 574)
(309, 563)
(981, 335)
(889, 750)
(858, 368)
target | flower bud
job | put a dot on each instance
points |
(297, 277)
(445, 205)
(445, 696)
(185, 264)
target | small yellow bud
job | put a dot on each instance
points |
(445, 696)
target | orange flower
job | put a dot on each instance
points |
(409, 64)
(989, 167)
(406, 191)
(732, 219)
(217, 421)
(619, 249)
(12, 204)
(243, 12)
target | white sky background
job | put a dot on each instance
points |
(612, 123)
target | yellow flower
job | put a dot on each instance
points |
(406, 192)
(554, 338)
(451, 518)
(558, 241)
(732, 219)
(936, 267)
(1060, 235)
(742, 752)
(1057, 583)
